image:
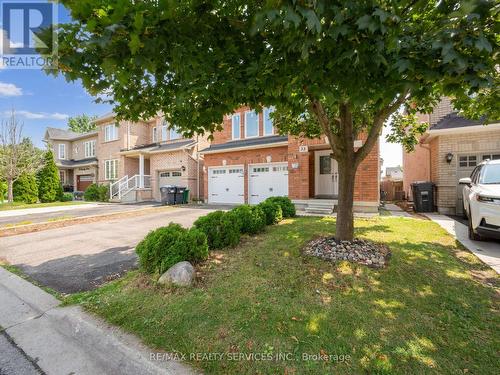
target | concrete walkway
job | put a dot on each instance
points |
(66, 340)
(396, 210)
(487, 251)
(44, 210)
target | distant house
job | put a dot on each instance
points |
(392, 184)
(394, 173)
(448, 151)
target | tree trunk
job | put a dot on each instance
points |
(345, 221)
(10, 191)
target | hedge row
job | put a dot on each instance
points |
(164, 247)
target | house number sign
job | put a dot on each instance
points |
(303, 149)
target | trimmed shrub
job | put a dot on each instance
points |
(96, 193)
(67, 197)
(251, 220)
(49, 184)
(287, 207)
(221, 228)
(272, 212)
(25, 189)
(166, 246)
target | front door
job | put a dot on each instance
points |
(326, 175)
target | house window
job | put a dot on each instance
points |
(176, 174)
(251, 124)
(155, 135)
(467, 161)
(268, 122)
(62, 177)
(62, 151)
(89, 149)
(491, 157)
(110, 133)
(174, 134)
(235, 120)
(325, 164)
(237, 170)
(260, 169)
(111, 169)
(164, 131)
(219, 171)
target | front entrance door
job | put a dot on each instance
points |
(326, 175)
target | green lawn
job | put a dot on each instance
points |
(425, 314)
(19, 205)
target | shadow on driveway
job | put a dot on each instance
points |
(78, 273)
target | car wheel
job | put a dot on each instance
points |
(473, 235)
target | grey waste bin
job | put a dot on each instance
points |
(179, 194)
(423, 196)
(167, 194)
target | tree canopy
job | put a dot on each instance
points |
(339, 68)
(82, 123)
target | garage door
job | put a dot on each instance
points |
(83, 182)
(267, 180)
(170, 178)
(226, 185)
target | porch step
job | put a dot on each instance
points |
(319, 210)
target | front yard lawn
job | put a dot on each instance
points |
(20, 205)
(430, 311)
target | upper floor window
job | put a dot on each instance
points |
(251, 124)
(155, 135)
(89, 149)
(268, 122)
(110, 133)
(236, 129)
(164, 131)
(62, 151)
(174, 133)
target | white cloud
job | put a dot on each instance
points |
(9, 89)
(39, 115)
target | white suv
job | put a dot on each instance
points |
(482, 200)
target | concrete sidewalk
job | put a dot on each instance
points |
(44, 210)
(396, 210)
(66, 340)
(487, 251)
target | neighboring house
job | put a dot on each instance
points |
(75, 157)
(248, 162)
(392, 184)
(394, 173)
(448, 151)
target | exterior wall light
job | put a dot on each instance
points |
(449, 157)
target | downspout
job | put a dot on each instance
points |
(197, 168)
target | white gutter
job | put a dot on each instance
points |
(461, 130)
(231, 149)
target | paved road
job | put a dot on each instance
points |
(39, 215)
(81, 257)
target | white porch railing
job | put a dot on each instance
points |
(126, 184)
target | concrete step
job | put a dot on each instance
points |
(319, 210)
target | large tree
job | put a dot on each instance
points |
(18, 155)
(338, 68)
(82, 123)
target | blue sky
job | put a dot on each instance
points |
(41, 101)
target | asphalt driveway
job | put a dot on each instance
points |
(82, 257)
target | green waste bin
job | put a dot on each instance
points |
(185, 196)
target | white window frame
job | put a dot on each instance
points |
(155, 134)
(111, 169)
(61, 151)
(89, 147)
(246, 124)
(172, 130)
(164, 131)
(233, 117)
(268, 111)
(110, 135)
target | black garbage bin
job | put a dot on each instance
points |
(423, 196)
(179, 194)
(167, 194)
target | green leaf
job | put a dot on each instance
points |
(312, 20)
(483, 44)
(138, 21)
(383, 15)
(292, 16)
(364, 22)
(134, 44)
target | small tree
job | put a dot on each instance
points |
(49, 183)
(18, 155)
(82, 123)
(26, 189)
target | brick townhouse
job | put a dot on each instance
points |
(449, 150)
(248, 162)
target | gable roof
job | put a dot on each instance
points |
(66, 135)
(454, 120)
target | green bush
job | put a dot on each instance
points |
(49, 184)
(221, 228)
(25, 189)
(166, 246)
(272, 212)
(96, 193)
(67, 197)
(287, 207)
(251, 220)
(3, 190)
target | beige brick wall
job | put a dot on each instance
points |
(78, 147)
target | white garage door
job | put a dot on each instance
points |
(267, 180)
(170, 178)
(226, 185)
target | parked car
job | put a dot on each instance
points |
(482, 200)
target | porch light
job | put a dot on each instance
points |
(449, 157)
(268, 158)
(183, 168)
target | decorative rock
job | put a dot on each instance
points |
(358, 251)
(180, 274)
